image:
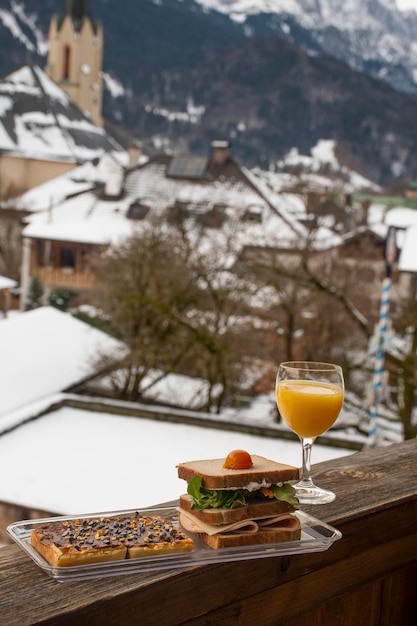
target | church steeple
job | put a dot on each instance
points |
(77, 9)
(75, 56)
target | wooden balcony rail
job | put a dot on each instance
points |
(366, 578)
(65, 278)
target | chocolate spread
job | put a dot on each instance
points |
(109, 532)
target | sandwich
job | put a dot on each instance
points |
(238, 501)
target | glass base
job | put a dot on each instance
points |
(308, 493)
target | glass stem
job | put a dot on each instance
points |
(307, 444)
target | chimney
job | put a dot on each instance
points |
(220, 151)
(114, 182)
(135, 152)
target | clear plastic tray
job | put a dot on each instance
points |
(316, 536)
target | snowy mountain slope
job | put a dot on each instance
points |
(374, 36)
(25, 28)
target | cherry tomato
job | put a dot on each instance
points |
(238, 459)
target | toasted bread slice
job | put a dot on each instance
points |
(89, 540)
(68, 556)
(181, 545)
(215, 476)
(220, 516)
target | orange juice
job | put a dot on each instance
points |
(309, 408)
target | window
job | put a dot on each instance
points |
(67, 258)
(67, 62)
(137, 211)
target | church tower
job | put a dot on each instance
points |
(75, 56)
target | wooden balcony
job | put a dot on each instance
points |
(64, 278)
(366, 578)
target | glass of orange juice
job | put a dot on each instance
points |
(309, 397)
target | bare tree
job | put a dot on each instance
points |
(143, 284)
(171, 302)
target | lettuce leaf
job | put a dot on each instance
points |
(213, 499)
(285, 492)
(232, 498)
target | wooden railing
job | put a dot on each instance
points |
(367, 578)
(65, 278)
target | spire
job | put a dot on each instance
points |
(77, 9)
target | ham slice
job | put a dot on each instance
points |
(285, 521)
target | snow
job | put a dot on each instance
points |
(401, 217)
(38, 120)
(346, 13)
(44, 351)
(407, 5)
(87, 218)
(23, 77)
(240, 9)
(7, 283)
(323, 153)
(404, 220)
(83, 219)
(408, 257)
(56, 190)
(115, 88)
(250, 7)
(30, 22)
(10, 22)
(380, 33)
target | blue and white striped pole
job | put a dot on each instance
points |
(379, 363)
(378, 380)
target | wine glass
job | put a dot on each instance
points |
(309, 397)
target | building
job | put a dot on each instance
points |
(42, 132)
(51, 122)
(75, 57)
(210, 195)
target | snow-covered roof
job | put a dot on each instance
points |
(83, 218)
(408, 256)
(405, 220)
(130, 462)
(7, 283)
(54, 191)
(401, 217)
(44, 351)
(75, 206)
(39, 120)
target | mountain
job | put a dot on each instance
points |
(372, 36)
(267, 75)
